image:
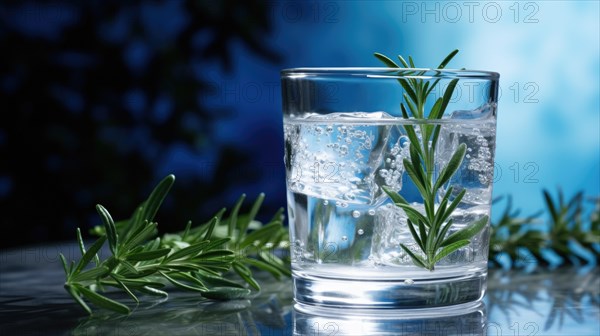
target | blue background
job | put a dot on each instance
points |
(547, 53)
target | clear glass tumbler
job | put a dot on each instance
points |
(389, 185)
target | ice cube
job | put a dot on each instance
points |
(391, 168)
(390, 230)
(483, 112)
(477, 169)
(477, 249)
(335, 156)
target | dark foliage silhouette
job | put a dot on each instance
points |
(95, 94)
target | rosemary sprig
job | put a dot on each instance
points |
(197, 259)
(515, 242)
(511, 234)
(429, 229)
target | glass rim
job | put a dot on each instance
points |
(382, 72)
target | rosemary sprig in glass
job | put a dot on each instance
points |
(429, 229)
(198, 259)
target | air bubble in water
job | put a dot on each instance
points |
(360, 232)
(404, 141)
(344, 238)
(343, 150)
(409, 282)
(355, 213)
(325, 202)
(371, 212)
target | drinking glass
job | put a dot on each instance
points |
(389, 184)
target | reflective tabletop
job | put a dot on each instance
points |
(563, 301)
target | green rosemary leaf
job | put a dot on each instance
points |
(109, 226)
(244, 272)
(261, 235)
(424, 234)
(133, 283)
(71, 267)
(444, 211)
(181, 284)
(156, 198)
(133, 224)
(436, 110)
(76, 296)
(276, 262)
(403, 61)
(207, 270)
(217, 242)
(186, 232)
(425, 91)
(412, 213)
(146, 232)
(232, 223)
(64, 264)
(89, 254)
(453, 205)
(448, 59)
(415, 259)
(410, 130)
(442, 234)
(396, 197)
(153, 291)
(451, 167)
(550, 206)
(414, 176)
(188, 277)
(278, 217)
(141, 273)
(432, 87)
(128, 266)
(226, 293)
(264, 266)
(410, 61)
(447, 96)
(217, 281)
(467, 232)
(148, 255)
(191, 250)
(385, 60)
(434, 140)
(415, 159)
(413, 232)
(441, 211)
(80, 242)
(126, 289)
(411, 107)
(211, 227)
(91, 274)
(103, 301)
(449, 249)
(225, 256)
(152, 245)
(243, 224)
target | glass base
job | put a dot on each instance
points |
(389, 294)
